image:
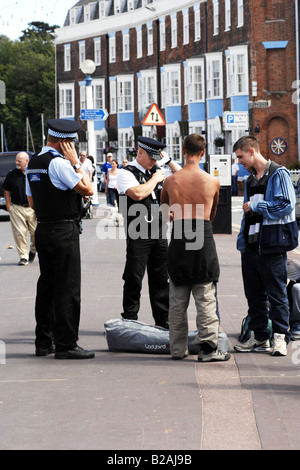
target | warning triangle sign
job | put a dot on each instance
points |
(154, 117)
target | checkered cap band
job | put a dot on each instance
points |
(149, 149)
(63, 135)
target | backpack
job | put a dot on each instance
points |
(246, 332)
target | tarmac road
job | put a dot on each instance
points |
(136, 402)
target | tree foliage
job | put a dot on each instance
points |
(27, 67)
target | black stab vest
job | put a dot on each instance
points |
(50, 203)
(151, 201)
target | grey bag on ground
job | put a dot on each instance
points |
(134, 336)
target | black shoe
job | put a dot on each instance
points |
(23, 262)
(31, 257)
(44, 351)
(75, 353)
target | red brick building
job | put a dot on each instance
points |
(218, 67)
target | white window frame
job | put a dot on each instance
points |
(73, 15)
(139, 43)
(194, 84)
(173, 142)
(117, 6)
(240, 13)
(227, 15)
(186, 28)
(67, 57)
(174, 39)
(197, 21)
(97, 51)
(87, 13)
(130, 5)
(100, 146)
(237, 71)
(124, 142)
(147, 88)
(66, 100)
(83, 97)
(150, 40)
(102, 10)
(171, 85)
(162, 35)
(214, 76)
(98, 86)
(216, 17)
(113, 96)
(82, 52)
(125, 95)
(126, 47)
(112, 49)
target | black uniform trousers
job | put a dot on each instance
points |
(150, 254)
(57, 307)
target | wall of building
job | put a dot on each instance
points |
(267, 36)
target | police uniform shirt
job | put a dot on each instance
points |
(61, 173)
(126, 179)
(15, 184)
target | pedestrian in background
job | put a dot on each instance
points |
(86, 164)
(107, 165)
(111, 189)
(22, 217)
(268, 230)
(192, 197)
(56, 184)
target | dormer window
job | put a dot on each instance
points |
(87, 13)
(73, 16)
(101, 10)
(117, 6)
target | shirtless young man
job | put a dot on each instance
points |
(192, 197)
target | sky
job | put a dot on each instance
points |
(16, 15)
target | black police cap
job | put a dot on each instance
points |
(151, 146)
(63, 128)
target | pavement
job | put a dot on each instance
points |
(136, 402)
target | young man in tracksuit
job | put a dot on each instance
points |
(268, 230)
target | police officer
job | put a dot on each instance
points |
(55, 184)
(138, 186)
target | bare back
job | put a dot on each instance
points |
(191, 193)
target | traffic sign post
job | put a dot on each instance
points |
(93, 115)
(154, 117)
(235, 120)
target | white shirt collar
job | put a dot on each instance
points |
(137, 165)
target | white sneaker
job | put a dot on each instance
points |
(279, 346)
(253, 345)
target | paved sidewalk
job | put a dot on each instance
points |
(128, 401)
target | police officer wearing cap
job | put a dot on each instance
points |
(55, 184)
(138, 186)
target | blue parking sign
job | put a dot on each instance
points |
(230, 118)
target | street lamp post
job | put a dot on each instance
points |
(88, 67)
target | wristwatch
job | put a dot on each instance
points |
(77, 166)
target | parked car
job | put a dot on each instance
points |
(7, 163)
(297, 193)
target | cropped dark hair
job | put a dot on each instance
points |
(194, 144)
(244, 143)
